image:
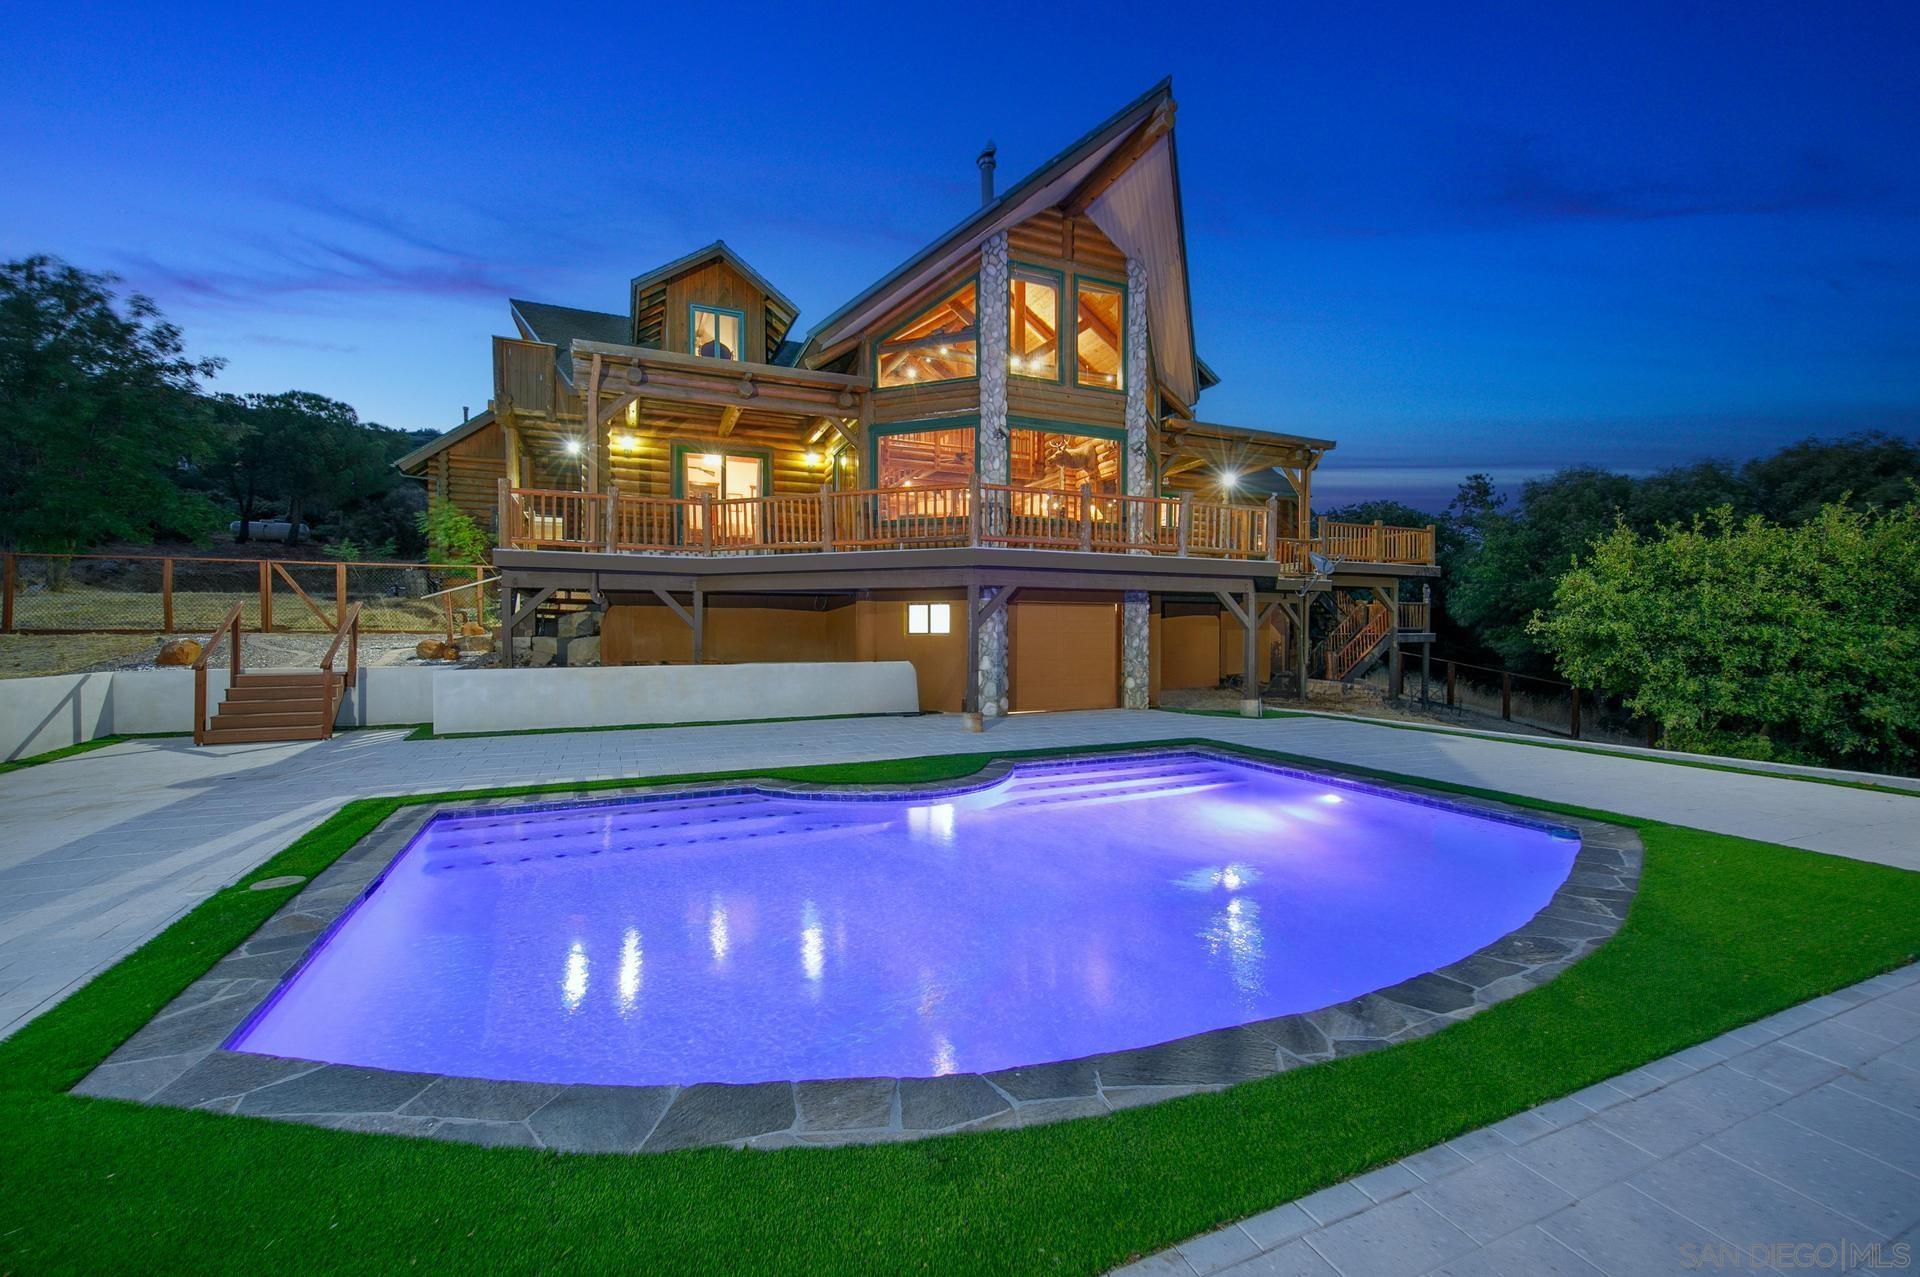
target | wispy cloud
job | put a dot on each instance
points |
(1521, 177)
(298, 343)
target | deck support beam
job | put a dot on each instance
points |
(1247, 611)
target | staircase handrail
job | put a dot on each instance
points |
(349, 628)
(229, 627)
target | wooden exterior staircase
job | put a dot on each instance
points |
(274, 705)
(1361, 636)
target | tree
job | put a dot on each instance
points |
(98, 411)
(1753, 638)
(1496, 590)
(305, 449)
(1869, 471)
(452, 536)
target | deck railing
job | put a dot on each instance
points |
(914, 517)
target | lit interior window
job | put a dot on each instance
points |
(1062, 462)
(1033, 332)
(716, 333)
(1100, 318)
(929, 618)
(937, 346)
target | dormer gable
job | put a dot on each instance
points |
(711, 303)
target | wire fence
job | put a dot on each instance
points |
(1547, 704)
(152, 594)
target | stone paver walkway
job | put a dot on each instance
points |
(101, 851)
(1789, 1145)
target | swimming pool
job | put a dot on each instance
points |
(1066, 909)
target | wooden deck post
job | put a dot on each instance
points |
(975, 514)
(826, 519)
(1426, 671)
(699, 619)
(266, 597)
(1183, 534)
(1304, 608)
(1273, 526)
(502, 539)
(1250, 688)
(1506, 696)
(1086, 516)
(706, 521)
(166, 595)
(610, 507)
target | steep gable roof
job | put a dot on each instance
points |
(700, 257)
(1124, 172)
(560, 325)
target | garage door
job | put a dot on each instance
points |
(1066, 655)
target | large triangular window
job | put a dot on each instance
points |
(939, 345)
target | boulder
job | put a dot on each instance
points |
(579, 624)
(178, 652)
(472, 629)
(435, 650)
(581, 651)
(537, 657)
(478, 645)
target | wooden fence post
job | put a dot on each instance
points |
(1450, 700)
(1574, 694)
(266, 597)
(7, 570)
(1506, 697)
(339, 592)
(166, 595)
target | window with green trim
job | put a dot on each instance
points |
(1100, 323)
(718, 333)
(940, 345)
(1033, 328)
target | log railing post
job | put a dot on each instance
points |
(166, 595)
(266, 597)
(706, 520)
(1086, 516)
(502, 538)
(610, 511)
(1273, 526)
(1183, 537)
(1506, 697)
(975, 514)
(826, 519)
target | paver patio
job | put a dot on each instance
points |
(1792, 1144)
(99, 852)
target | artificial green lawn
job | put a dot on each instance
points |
(1724, 930)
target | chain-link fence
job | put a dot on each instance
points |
(141, 594)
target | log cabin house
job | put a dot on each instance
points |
(989, 464)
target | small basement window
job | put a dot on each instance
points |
(929, 618)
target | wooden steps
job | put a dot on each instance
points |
(277, 705)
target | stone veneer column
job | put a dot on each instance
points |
(991, 451)
(1136, 622)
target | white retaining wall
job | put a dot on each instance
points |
(41, 714)
(503, 701)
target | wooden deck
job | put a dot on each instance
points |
(943, 516)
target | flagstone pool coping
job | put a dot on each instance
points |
(179, 1058)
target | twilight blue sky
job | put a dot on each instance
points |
(1453, 237)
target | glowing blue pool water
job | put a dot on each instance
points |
(1067, 910)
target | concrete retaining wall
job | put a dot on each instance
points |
(502, 701)
(42, 714)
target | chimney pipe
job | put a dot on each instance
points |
(463, 415)
(986, 174)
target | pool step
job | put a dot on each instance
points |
(541, 850)
(1090, 797)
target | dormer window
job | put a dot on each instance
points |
(717, 332)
